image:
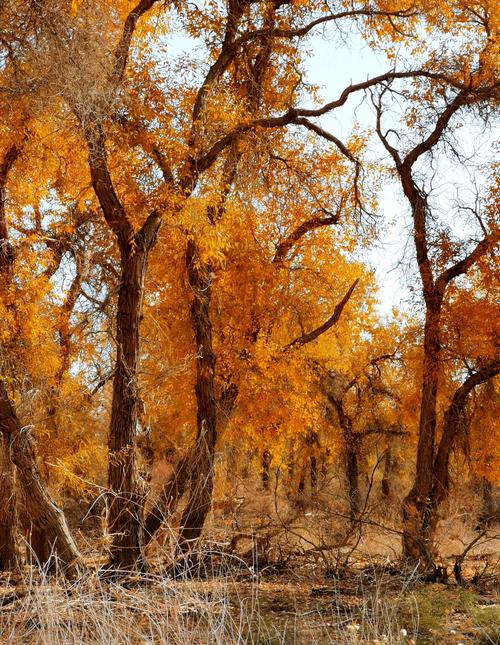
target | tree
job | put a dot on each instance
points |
(40, 514)
(438, 268)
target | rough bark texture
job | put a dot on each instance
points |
(8, 513)
(352, 475)
(40, 511)
(202, 465)
(386, 477)
(417, 545)
(125, 520)
(266, 469)
(313, 464)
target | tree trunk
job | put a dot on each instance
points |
(416, 543)
(40, 511)
(313, 464)
(351, 448)
(127, 500)
(386, 477)
(202, 464)
(8, 511)
(266, 469)
(487, 513)
(452, 426)
(352, 475)
(8, 514)
(176, 486)
(417, 546)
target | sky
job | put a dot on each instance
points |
(333, 68)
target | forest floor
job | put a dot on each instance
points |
(374, 605)
(292, 595)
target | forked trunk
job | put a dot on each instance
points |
(452, 426)
(200, 492)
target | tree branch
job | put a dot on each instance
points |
(111, 206)
(284, 247)
(123, 47)
(206, 160)
(334, 318)
(461, 267)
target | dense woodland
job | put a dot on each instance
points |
(192, 347)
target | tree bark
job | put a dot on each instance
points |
(40, 511)
(314, 473)
(125, 521)
(8, 513)
(352, 475)
(452, 426)
(386, 477)
(126, 497)
(266, 469)
(202, 464)
(415, 542)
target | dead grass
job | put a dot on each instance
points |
(371, 607)
(156, 609)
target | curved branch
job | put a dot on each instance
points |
(112, 208)
(9, 159)
(452, 423)
(284, 247)
(291, 117)
(461, 267)
(123, 47)
(328, 324)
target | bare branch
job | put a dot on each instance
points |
(328, 136)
